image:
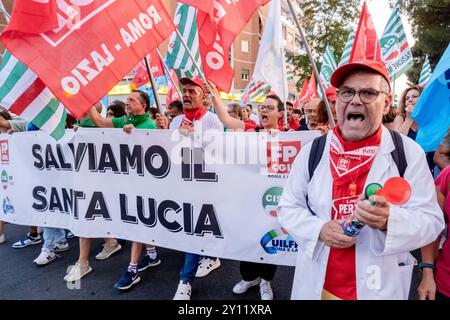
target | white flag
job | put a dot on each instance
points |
(270, 65)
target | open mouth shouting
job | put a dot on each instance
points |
(355, 117)
(264, 117)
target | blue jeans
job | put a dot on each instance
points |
(190, 267)
(53, 236)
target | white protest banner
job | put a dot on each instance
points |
(213, 194)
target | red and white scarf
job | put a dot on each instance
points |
(350, 163)
(191, 116)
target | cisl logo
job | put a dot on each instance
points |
(6, 179)
(270, 200)
(278, 240)
(281, 156)
(4, 149)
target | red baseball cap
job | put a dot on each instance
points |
(194, 81)
(331, 93)
(343, 71)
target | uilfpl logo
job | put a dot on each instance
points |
(270, 200)
(4, 149)
(281, 156)
(7, 206)
(5, 179)
(278, 240)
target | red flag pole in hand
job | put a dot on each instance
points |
(313, 64)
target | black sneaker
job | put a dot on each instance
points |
(147, 262)
(127, 280)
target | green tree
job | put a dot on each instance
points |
(431, 29)
(325, 22)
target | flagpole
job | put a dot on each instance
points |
(393, 82)
(152, 81)
(4, 12)
(308, 51)
(284, 89)
(190, 55)
(168, 73)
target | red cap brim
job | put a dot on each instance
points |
(342, 72)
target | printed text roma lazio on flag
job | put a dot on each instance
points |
(85, 47)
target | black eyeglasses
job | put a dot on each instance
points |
(262, 107)
(346, 94)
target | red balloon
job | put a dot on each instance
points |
(397, 190)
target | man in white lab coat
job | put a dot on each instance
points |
(375, 264)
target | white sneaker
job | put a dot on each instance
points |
(266, 290)
(61, 247)
(2, 238)
(46, 256)
(207, 265)
(108, 251)
(183, 291)
(243, 285)
(77, 272)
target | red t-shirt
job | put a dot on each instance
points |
(250, 124)
(293, 125)
(442, 275)
(350, 164)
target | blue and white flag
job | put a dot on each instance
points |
(432, 111)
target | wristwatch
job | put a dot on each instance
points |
(426, 265)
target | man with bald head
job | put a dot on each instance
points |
(316, 207)
(311, 109)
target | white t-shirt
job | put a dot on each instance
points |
(207, 122)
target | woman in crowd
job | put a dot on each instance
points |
(408, 126)
(435, 265)
(405, 124)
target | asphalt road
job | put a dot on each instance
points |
(20, 278)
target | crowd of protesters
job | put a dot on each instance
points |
(201, 109)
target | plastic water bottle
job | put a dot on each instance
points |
(352, 227)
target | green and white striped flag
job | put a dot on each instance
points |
(328, 66)
(255, 91)
(177, 58)
(345, 57)
(425, 74)
(23, 93)
(394, 46)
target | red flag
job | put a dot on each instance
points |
(310, 91)
(37, 16)
(301, 96)
(215, 58)
(172, 92)
(227, 17)
(156, 65)
(202, 5)
(141, 75)
(81, 62)
(366, 45)
(219, 22)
